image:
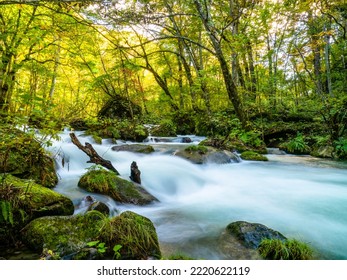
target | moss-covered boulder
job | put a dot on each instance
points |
(250, 155)
(232, 143)
(64, 235)
(251, 234)
(108, 183)
(201, 154)
(21, 155)
(240, 240)
(135, 234)
(94, 236)
(23, 200)
(134, 148)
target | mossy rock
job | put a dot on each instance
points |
(25, 200)
(251, 234)
(136, 234)
(134, 148)
(71, 237)
(21, 155)
(64, 235)
(200, 154)
(250, 155)
(108, 183)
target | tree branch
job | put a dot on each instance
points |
(93, 155)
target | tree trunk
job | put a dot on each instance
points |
(227, 76)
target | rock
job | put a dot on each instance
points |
(324, 152)
(121, 190)
(251, 234)
(136, 234)
(249, 155)
(119, 107)
(21, 155)
(200, 154)
(186, 140)
(65, 236)
(28, 201)
(71, 237)
(99, 206)
(134, 148)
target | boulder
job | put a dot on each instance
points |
(324, 152)
(25, 201)
(92, 236)
(251, 234)
(108, 183)
(23, 156)
(200, 154)
(134, 148)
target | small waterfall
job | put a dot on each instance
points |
(302, 197)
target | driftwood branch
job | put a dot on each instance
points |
(93, 155)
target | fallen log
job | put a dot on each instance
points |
(93, 155)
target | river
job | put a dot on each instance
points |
(300, 196)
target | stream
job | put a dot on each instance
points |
(300, 196)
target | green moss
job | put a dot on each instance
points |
(135, 233)
(250, 155)
(197, 148)
(63, 235)
(290, 249)
(108, 183)
(25, 200)
(21, 155)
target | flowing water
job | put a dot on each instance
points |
(300, 196)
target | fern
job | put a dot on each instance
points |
(6, 212)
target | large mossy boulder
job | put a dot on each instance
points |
(94, 236)
(134, 148)
(23, 156)
(64, 235)
(22, 201)
(136, 234)
(200, 154)
(108, 183)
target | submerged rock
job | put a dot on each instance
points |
(121, 190)
(134, 148)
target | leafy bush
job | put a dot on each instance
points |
(341, 148)
(297, 145)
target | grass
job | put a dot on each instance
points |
(291, 249)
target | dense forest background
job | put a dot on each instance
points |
(263, 72)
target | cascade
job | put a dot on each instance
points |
(302, 197)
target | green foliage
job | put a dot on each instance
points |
(341, 148)
(100, 246)
(297, 145)
(290, 249)
(6, 212)
(116, 249)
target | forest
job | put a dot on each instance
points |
(254, 69)
(246, 74)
